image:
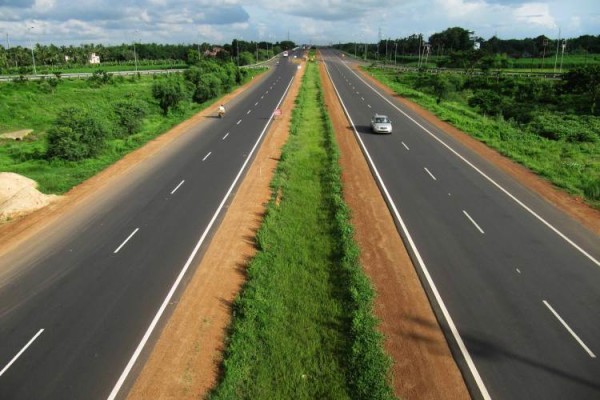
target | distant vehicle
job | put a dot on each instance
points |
(381, 124)
(285, 53)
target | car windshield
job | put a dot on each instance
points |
(381, 120)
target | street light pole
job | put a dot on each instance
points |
(32, 56)
(135, 53)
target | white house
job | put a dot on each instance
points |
(94, 58)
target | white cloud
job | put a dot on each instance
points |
(535, 14)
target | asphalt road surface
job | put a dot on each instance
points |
(514, 282)
(79, 302)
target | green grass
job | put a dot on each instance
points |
(303, 326)
(572, 166)
(31, 105)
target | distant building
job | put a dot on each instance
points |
(94, 59)
(67, 58)
(213, 52)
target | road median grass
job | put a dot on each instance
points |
(303, 325)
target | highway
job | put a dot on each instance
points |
(514, 282)
(82, 302)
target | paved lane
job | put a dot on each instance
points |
(515, 282)
(96, 290)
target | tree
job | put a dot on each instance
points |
(441, 87)
(586, 81)
(453, 39)
(169, 92)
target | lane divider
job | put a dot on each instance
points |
(206, 156)
(21, 352)
(473, 222)
(126, 240)
(568, 328)
(430, 174)
(178, 186)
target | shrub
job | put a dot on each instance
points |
(558, 126)
(591, 189)
(76, 134)
(487, 101)
(130, 115)
(99, 78)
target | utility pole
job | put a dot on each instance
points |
(556, 57)
(564, 44)
(378, 41)
(32, 56)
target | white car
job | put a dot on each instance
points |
(381, 124)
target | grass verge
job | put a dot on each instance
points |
(303, 325)
(33, 105)
(572, 166)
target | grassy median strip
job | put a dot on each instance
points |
(303, 326)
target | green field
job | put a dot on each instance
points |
(35, 105)
(303, 326)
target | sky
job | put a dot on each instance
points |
(73, 22)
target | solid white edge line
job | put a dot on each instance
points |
(505, 191)
(206, 156)
(473, 221)
(568, 328)
(178, 186)
(167, 300)
(224, 137)
(21, 352)
(126, 240)
(430, 174)
(420, 262)
(405, 146)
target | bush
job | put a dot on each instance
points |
(99, 78)
(557, 126)
(76, 134)
(487, 101)
(169, 92)
(130, 115)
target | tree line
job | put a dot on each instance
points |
(457, 39)
(19, 59)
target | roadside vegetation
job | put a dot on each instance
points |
(461, 49)
(51, 59)
(82, 126)
(550, 126)
(303, 325)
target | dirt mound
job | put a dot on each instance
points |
(19, 196)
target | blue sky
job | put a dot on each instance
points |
(66, 22)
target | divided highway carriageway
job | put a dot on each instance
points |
(79, 302)
(514, 282)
